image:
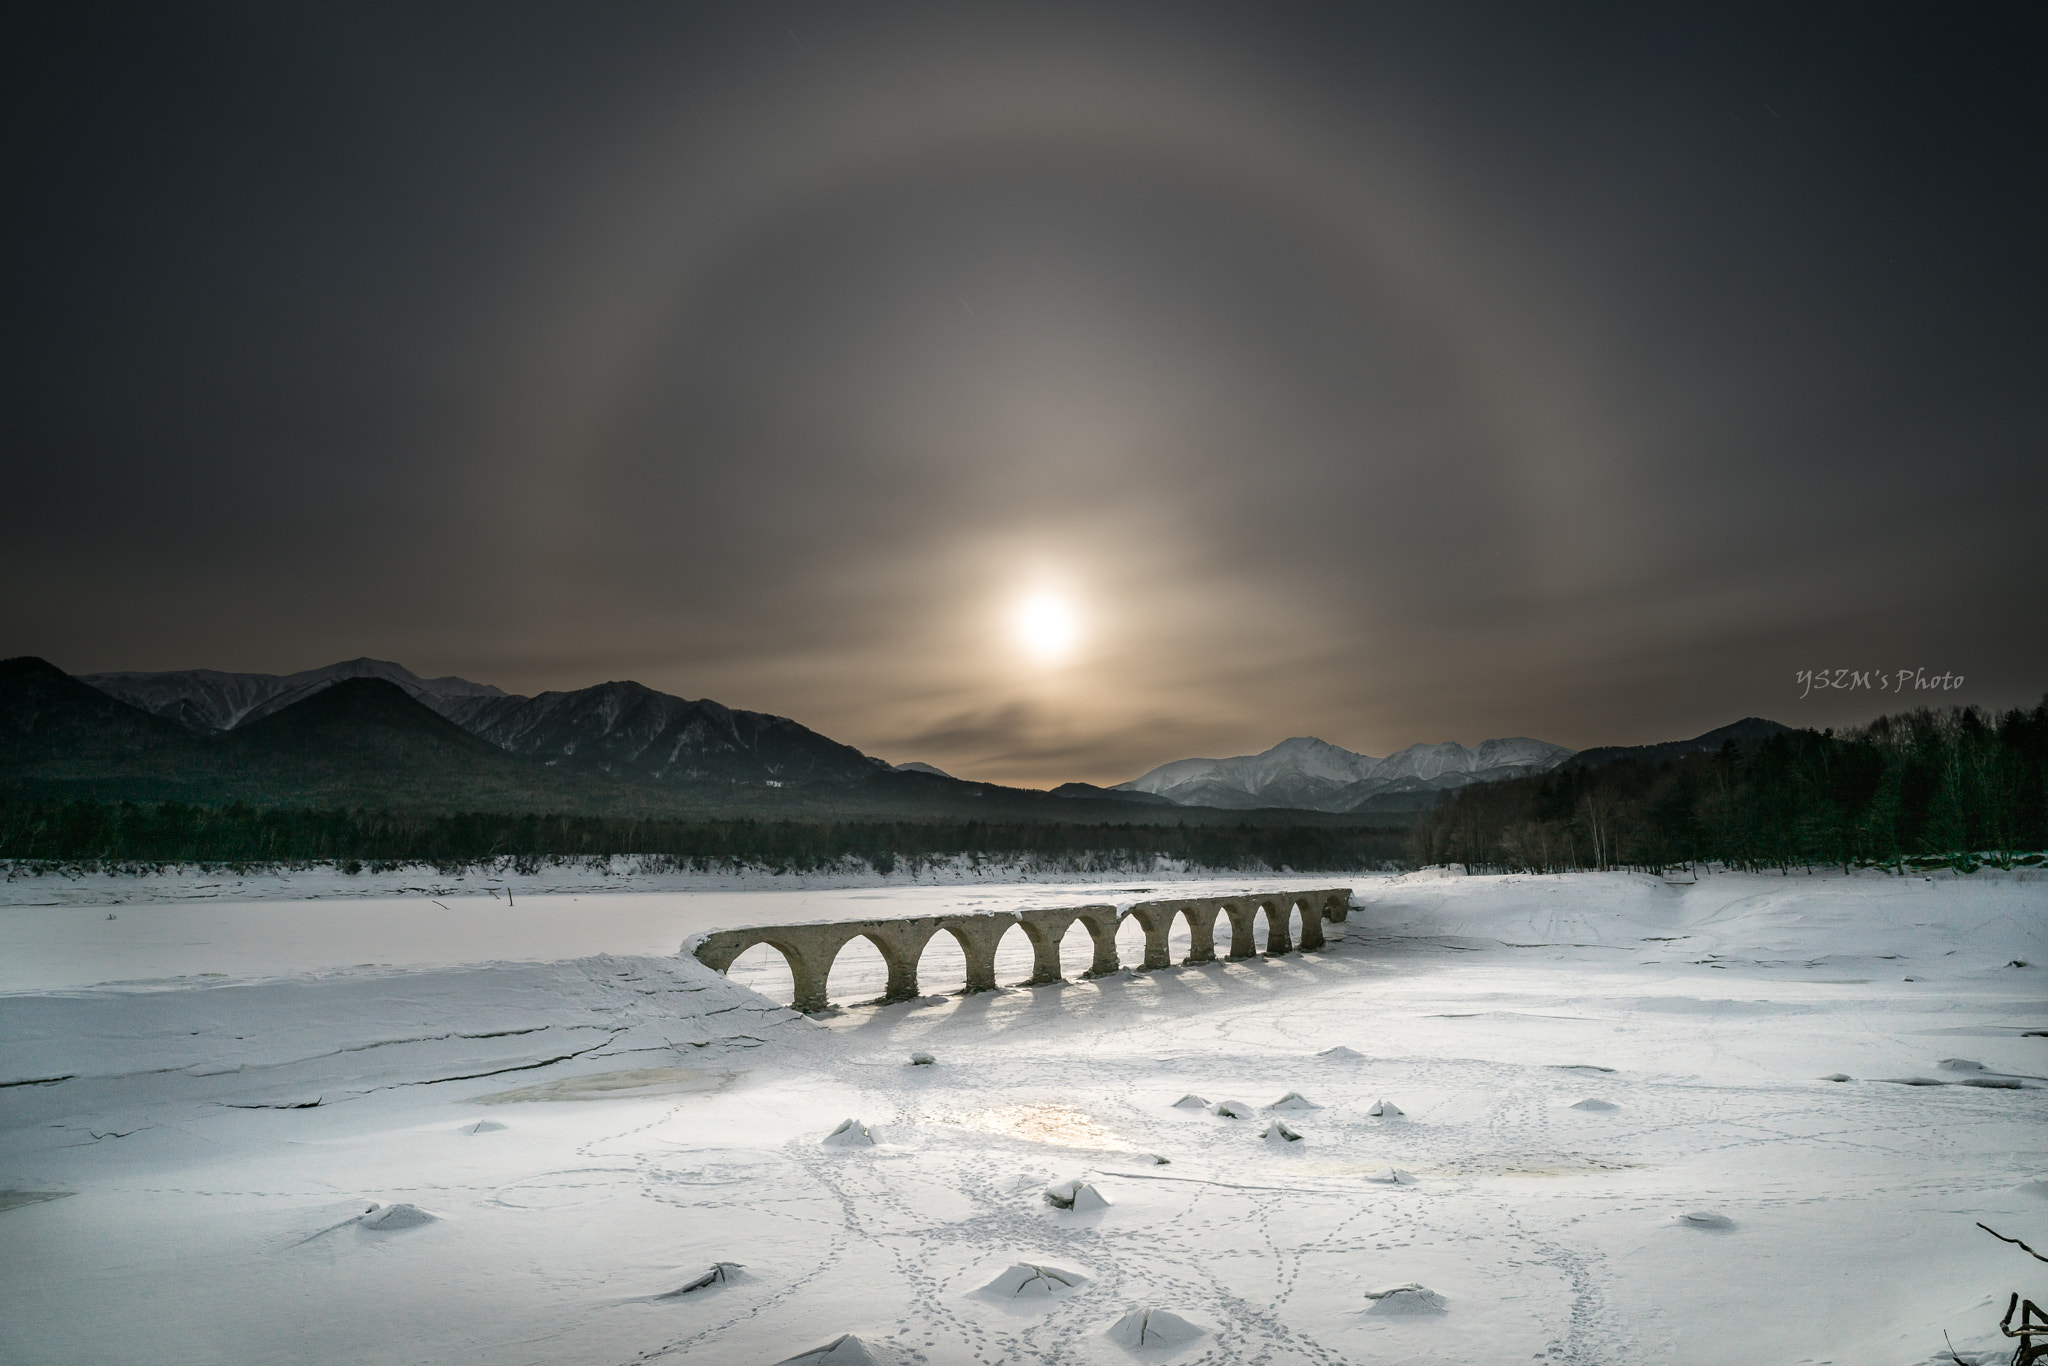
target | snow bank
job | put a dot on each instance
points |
(1405, 1300)
(1148, 1329)
(851, 1133)
(1032, 1281)
(845, 1350)
(1076, 1195)
(1294, 1100)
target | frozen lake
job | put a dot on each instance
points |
(132, 932)
(1617, 1139)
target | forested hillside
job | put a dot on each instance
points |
(75, 832)
(1955, 785)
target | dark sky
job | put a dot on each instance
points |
(1386, 374)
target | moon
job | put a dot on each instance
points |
(1047, 627)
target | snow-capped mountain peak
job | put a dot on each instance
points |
(1308, 773)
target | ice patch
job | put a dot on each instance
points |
(1706, 1220)
(1590, 1104)
(1154, 1329)
(1076, 1195)
(1294, 1100)
(851, 1133)
(1397, 1300)
(1030, 1281)
(627, 1085)
(15, 1199)
(1386, 1109)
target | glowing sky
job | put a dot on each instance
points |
(1380, 374)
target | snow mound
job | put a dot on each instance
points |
(1595, 1105)
(1030, 1281)
(1705, 1219)
(1145, 1327)
(2038, 1186)
(1279, 1134)
(1961, 1065)
(1191, 1101)
(717, 1274)
(390, 1218)
(1231, 1109)
(851, 1133)
(1838, 1076)
(1394, 1300)
(922, 1060)
(845, 1350)
(1391, 1176)
(1341, 1054)
(483, 1126)
(1386, 1109)
(1076, 1195)
(1294, 1100)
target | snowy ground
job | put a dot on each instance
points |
(594, 1126)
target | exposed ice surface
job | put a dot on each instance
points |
(216, 1137)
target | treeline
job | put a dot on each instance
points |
(128, 833)
(1953, 786)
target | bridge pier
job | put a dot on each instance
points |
(1278, 939)
(1045, 929)
(978, 937)
(1156, 917)
(1241, 913)
(1201, 918)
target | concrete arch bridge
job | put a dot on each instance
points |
(811, 949)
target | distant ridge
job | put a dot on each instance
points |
(618, 728)
(1305, 773)
(1746, 733)
(208, 700)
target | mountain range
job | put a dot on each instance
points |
(1305, 773)
(371, 731)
